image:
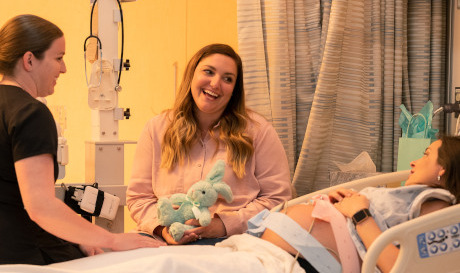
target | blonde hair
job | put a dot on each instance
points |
(182, 130)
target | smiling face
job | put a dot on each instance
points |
(47, 70)
(426, 169)
(212, 86)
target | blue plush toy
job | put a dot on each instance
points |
(194, 204)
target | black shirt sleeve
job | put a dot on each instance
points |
(33, 132)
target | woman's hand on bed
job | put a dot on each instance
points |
(127, 241)
(90, 250)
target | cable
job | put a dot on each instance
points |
(122, 41)
(440, 109)
(98, 42)
(122, 38)
(91, 19)
(100, 58)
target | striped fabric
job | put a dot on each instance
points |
(331, 74)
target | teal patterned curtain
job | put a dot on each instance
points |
(331, 74)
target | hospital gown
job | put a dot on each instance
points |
(393, 206)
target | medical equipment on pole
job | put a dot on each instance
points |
(104, 155)
(451, 108)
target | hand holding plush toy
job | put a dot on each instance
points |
(194, 204)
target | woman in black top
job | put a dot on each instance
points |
(35, 226)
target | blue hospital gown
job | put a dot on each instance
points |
(393, 206)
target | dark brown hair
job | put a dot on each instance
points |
(449, 159)
(25, 33)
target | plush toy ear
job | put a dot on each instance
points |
(217, 172)
(224, 190)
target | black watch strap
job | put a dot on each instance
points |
(361, 216)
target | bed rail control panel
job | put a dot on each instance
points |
(439, 241)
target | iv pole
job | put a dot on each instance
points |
(104, 153)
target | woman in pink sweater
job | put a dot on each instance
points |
(209, 121)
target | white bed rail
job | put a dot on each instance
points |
(417, 254)
(372, 181)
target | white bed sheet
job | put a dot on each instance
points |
(239, 253)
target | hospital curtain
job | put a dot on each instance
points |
(331, 74)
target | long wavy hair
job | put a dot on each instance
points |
(183, 130)
(449, 159)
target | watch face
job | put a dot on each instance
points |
(361, 216)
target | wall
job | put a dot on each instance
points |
(160, 36)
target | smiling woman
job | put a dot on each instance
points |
(48, 69)
(209, 122)
(36, 227)
(212, 87)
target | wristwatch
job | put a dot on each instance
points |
(361, 216)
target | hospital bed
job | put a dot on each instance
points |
(421, 251)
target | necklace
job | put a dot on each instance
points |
(203, 134)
